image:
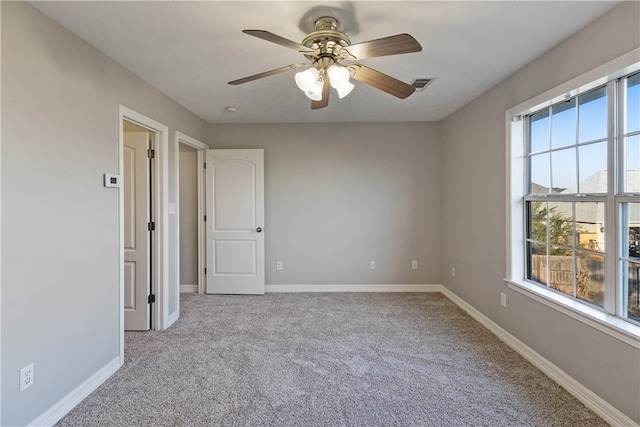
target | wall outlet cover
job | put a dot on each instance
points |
(26, 377)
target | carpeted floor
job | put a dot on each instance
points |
(326, 359)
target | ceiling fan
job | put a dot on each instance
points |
(325, 48)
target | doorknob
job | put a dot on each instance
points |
(259, 229)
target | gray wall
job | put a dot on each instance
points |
(384, 192)
(59, 224)
(473, 146)
(188, 215)
(338, 197)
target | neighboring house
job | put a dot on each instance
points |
(590, 221)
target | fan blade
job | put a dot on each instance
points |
(392, 45)
(274, 38)
(315, 105)
(380, 81)
(268, 73)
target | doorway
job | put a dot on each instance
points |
(139, 225)
(191, 261)
(160, 315)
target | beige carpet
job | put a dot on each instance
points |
(327, 359)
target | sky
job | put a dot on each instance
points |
(586, 119)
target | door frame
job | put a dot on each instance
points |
(200, 148)
(160, 195)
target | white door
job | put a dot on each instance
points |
(137, 237)
(235, 221)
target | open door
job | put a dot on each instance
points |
(137, 237)
(235, 221)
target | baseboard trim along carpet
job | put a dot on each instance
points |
(354, 288)
(67, 403)
(188, 289)
(591, 400)
(601, 407)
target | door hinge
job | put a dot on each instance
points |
(205, 165)
(152, 299)
(205, 270)
(151, 153)
(151, 226)
(205, 218)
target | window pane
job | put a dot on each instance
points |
(539, 166)
(632, 164)
(593, 168)
(632, 121)
(592, 115)
(562, 270)
(590, 225)
(631, 273)
(632, 228)
(563, 124)
(539, 131)
(590, 278)
(563, 171)
(537, 265)
(537, 214)
(561, 223)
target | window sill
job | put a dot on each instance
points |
(610, 325)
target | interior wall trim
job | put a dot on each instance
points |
(594, 402)
(189, 289)
(63, 406)
(354, 288)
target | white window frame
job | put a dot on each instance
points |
(516, 187)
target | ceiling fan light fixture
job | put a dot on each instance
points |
(344, 90)
(315, 93)
(339, 79)
(310, 82)
(325, 48)
(337, 75)
(306, 79)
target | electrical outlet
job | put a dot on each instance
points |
(503, 299)
(414, 264)
(372, 265)
(278, 265)
(453, 272)
(26, 377)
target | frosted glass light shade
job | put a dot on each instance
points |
(345, 89)
(338, 75)
(305, 79)
(310, 84)
(339, 79)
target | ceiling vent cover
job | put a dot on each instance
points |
(421, 84)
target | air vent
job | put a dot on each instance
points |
(420, 84)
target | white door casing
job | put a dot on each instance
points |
(235, 221)
(200, 148)
(137, 243)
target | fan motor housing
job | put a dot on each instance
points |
(326, 40)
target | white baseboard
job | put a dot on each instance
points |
(594, 402)
(67, 403)
(354, 288)
(188, 289)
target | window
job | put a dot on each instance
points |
(574, 211)
(567, 194)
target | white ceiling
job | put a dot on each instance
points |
(190, 50)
